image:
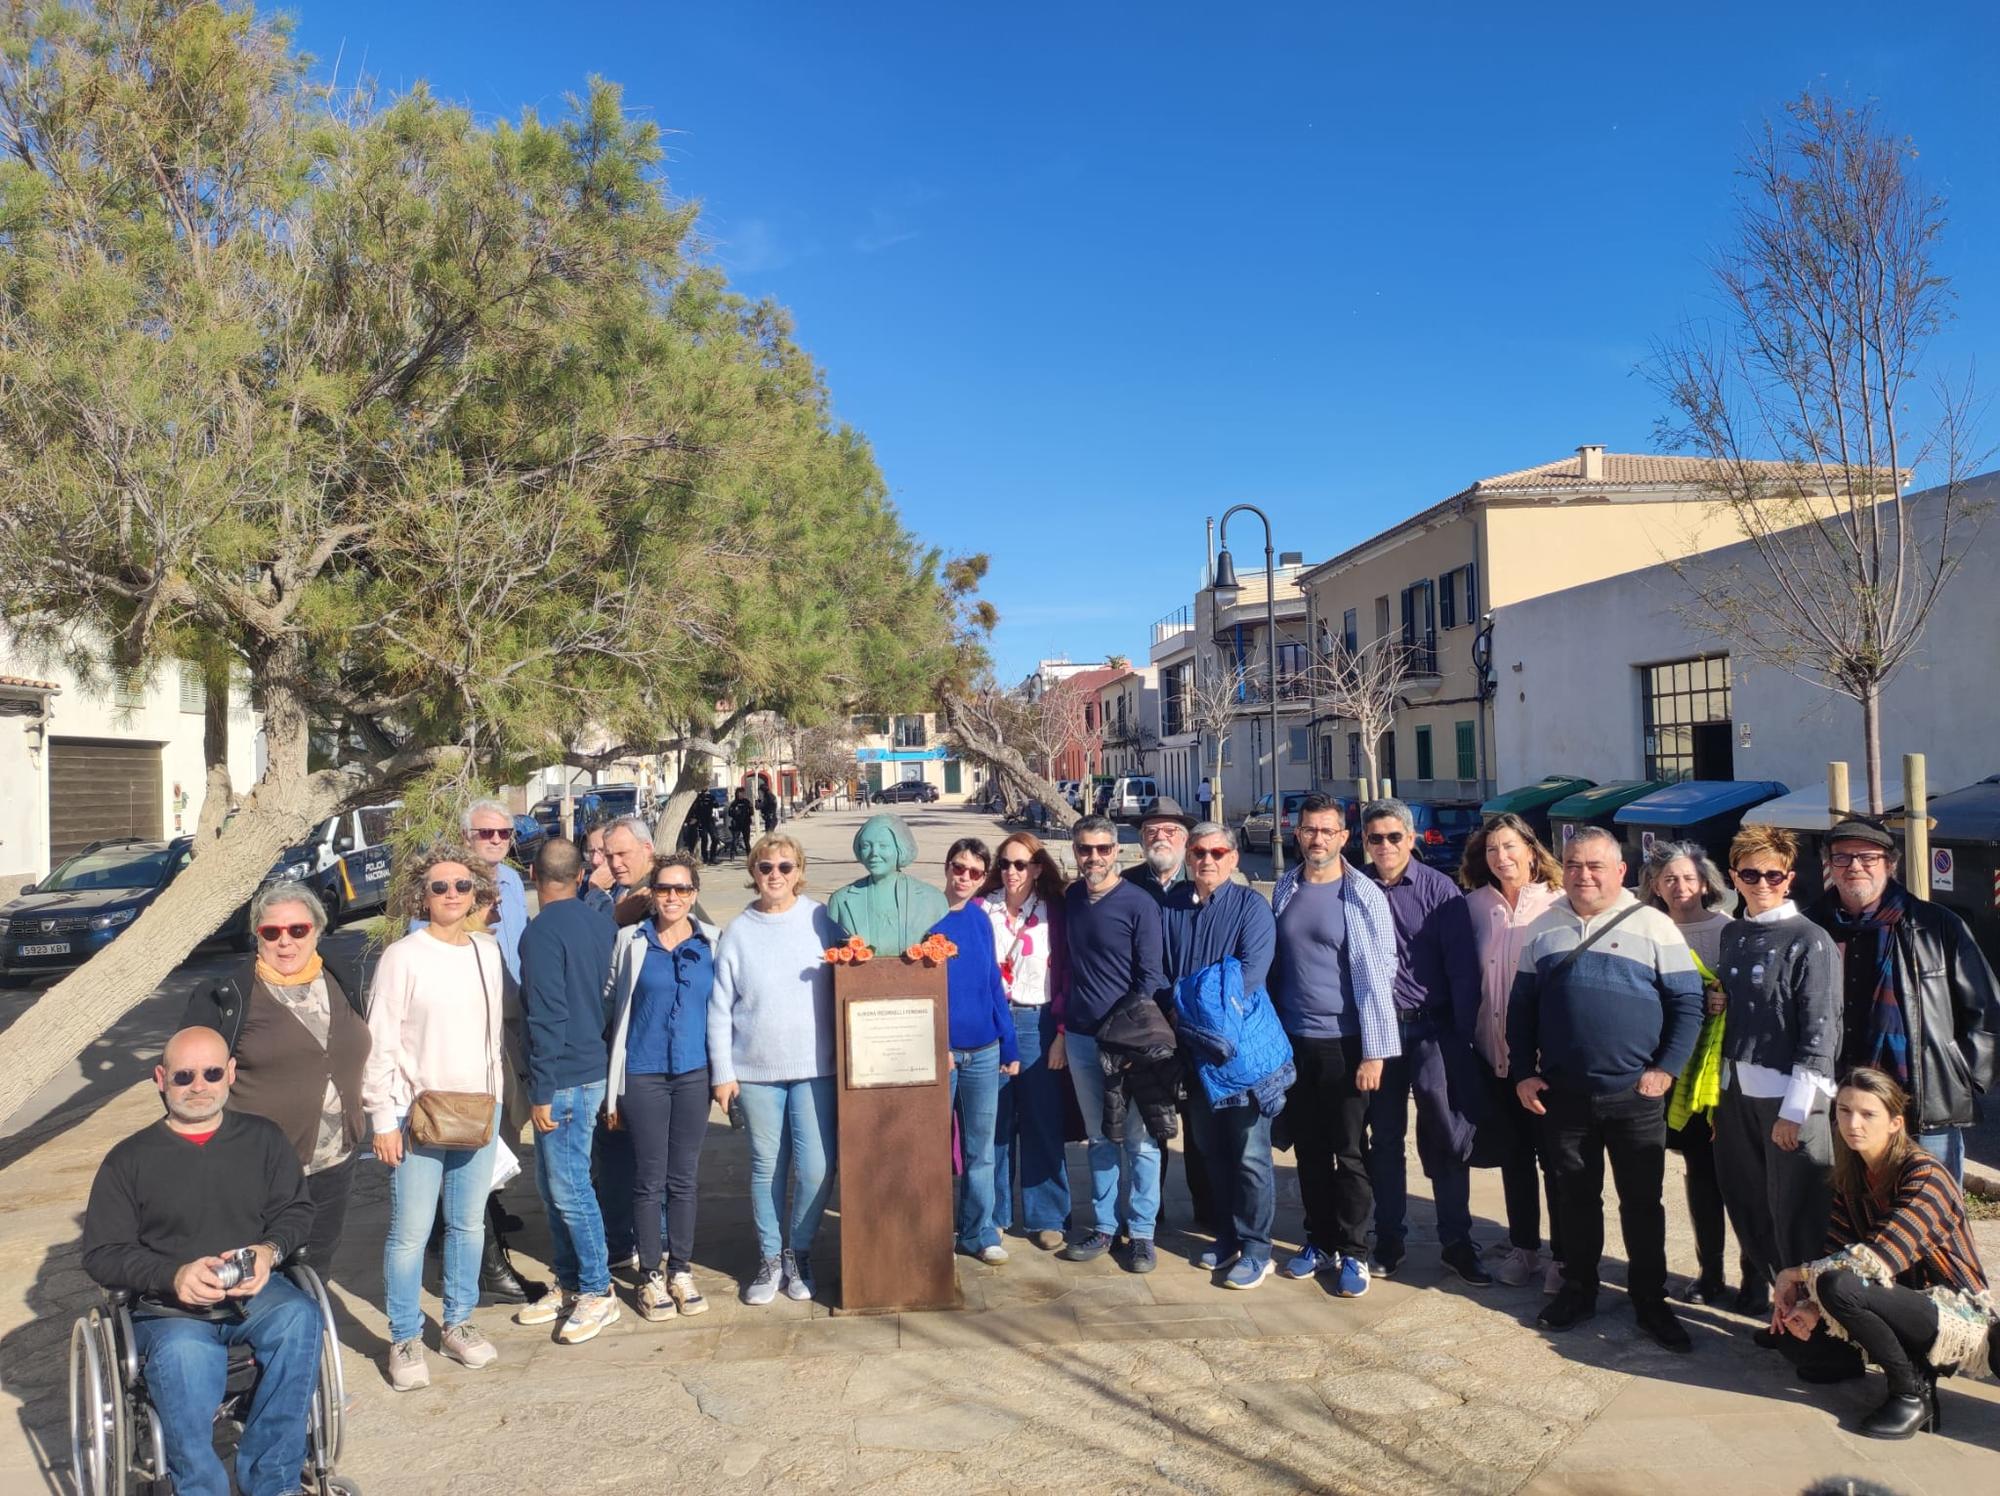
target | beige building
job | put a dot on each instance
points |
(890, 750)
(1128, 721)
(1428, 582)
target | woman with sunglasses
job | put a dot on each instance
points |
(296, 1023)
(1780, 1036)
(1023, 897)
(983, 1048)
(435, 1018)
(770, 1044)
(662, 978)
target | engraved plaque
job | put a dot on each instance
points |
(891, 1042)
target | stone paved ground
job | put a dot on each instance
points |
(1055, 1376)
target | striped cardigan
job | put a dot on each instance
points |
(1921, 1235)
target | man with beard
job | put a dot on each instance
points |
(169, 1209)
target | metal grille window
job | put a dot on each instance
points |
(909, 732)
(128, 688)
(1424, 764)
(1687, 719)
(1350, 631)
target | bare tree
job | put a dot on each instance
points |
(1055, 723)
(1831, 298)
(995, 728)
(1364, 686)
(1216, 692)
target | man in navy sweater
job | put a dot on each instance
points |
(565, 966)
(1117, 975)
(1602, 1016)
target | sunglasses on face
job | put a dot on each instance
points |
(1017, 864)
(455, 885)
(272, 932)
(965, 870)
(1095, 849)
(1770, 875)
(1385, 838)
(765, 869)
(672, 890)
(1208, 854)
(180, 1079)
(492, 833)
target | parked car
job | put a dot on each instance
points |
(1443, 829)
(56, 925)
(590, 805)
(905, 792)
(1256, 832)
(530, 836)
(1072, 791)
(1132, 795)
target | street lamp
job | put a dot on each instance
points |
(1224, 589)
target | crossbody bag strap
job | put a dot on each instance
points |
(1602, 930)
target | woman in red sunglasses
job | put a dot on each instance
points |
(296, 1022)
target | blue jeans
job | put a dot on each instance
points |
(462, 1176)
(1948, 1148)
(1135, 1163)
(186, 1365)
(1388, 1170)
(562, 1178)
(1028, 1131)
(791, 1126)
(1236, 1142)
(975, 1096)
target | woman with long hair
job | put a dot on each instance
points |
(1900, 1277)
(1022, 896)
(434, 1021)
(1510, 878)
(1683, 879)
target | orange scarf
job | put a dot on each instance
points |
(270, 976)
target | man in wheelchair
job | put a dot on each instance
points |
(172, 1210)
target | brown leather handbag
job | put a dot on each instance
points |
(458, 1119)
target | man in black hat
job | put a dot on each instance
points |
(1918, 997)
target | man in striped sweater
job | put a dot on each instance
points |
(1602, 1017)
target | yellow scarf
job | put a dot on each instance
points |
(271, 976)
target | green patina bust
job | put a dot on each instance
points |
(888, 908)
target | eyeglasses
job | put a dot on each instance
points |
(1771, 875)
(765, 869)
(1384, 838)
(493, 833)
(1857, 859)
(1315, 832)
(456, 885)
(1095, 849)
(272, 932)
(1017, 864)
(1208, 854)
(965, 870)
(675, 890)
(211, 1073)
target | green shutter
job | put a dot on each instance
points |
(1424, 764)
(951, 777)
(1468, 754)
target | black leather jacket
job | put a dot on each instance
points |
(1951, 1007)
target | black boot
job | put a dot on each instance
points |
(498, 1282)
(1904, 1413)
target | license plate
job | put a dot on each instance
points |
(60, 948)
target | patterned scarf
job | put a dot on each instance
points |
(1887, 1047)
(269, 974)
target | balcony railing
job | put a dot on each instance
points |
(1180, 621)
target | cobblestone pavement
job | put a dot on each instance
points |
(1055, 1376)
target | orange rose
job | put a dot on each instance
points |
(864, 954)
(856, 943)
(914, 953)
(832, 954)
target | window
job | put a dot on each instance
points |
(128, 688)
(867, 726)
(1173, 702)
(1687, 720)
(1424, 763)
(1354, 755)
(1468, 751)
(194, 697)
(1458, 598)
(1420, 626)
(1297, 746)
(1326, 757)
(1350, 631)
(1291, 670)
(1381, 617)
(910, 732)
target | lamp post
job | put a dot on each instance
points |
(1223, 592)
(1482, 664)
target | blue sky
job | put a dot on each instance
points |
(1087, 274)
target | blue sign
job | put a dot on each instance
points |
(900, 755)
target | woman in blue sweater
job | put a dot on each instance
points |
(983, 1045)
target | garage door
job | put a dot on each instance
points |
(99, 790)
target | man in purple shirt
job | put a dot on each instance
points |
(1437, 996)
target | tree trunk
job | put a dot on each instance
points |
(1871, 744)
(693, 778)
(1006, 763)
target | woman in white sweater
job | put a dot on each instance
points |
(435, 1024)
(770, 1042)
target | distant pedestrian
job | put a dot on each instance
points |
(1204, 797)
(565, 964)
(741, 814)
(767, 808)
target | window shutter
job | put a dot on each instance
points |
(1449, 610)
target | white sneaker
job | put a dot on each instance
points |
(464, 1343)
(1552, 1279)
(1517, 1267)
(592, 1313)
(687, 1298)
(547, 1309)
(656, 1300)
(994, 1255)
(408, 1370)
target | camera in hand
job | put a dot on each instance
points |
(236, 1266)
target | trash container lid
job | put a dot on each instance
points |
(1806, 810)
(1968, 815)
(1696, 800)
(1602, 799)
(1535, 796)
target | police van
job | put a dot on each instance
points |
(345, 861)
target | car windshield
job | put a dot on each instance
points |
(1458, 817)
(112, 867)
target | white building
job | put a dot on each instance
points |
(79, 765)
(1614, 680)
(910, 746)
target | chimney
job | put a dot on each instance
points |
(1591, 460)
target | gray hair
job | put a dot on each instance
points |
(1388, 809)
(1595, 833)
(641, 829)
(1212, 828)
(1715, 889)
(272, 894)
(465, 821)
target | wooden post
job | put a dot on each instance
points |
(1916, 827)
(895, 1138)
(1837, 800)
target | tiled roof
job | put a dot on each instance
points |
(25, 683)
(1619, 468)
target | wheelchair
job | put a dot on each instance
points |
(116, 1443)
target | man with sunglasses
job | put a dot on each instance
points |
(1437, 1003)
(1918, 997)
(167, 1207)
(489, 831)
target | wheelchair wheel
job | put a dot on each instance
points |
(98, 1434)
(327, 1428)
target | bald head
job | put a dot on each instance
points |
(558, 862)
(194, 1076)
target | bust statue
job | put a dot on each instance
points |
(888, 908)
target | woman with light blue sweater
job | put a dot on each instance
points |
(770, 1043)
